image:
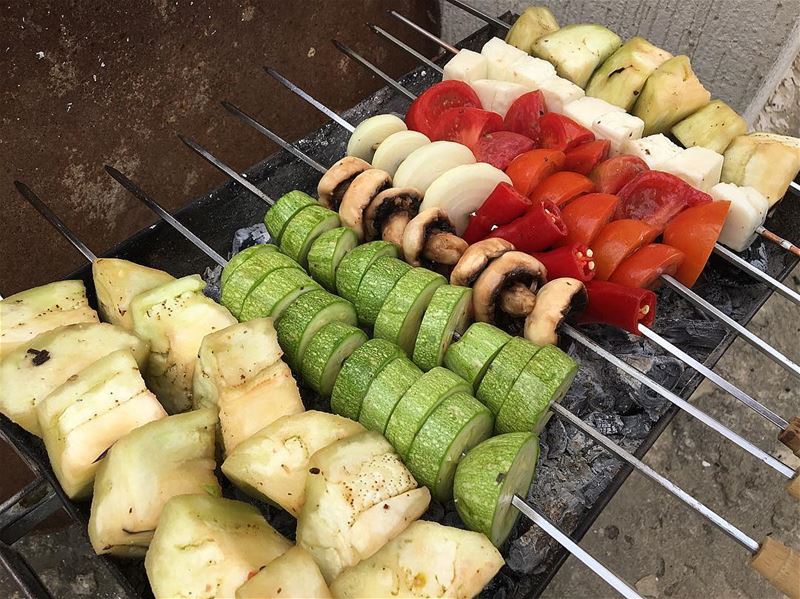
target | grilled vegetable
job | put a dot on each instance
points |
(303, 230)
(276, 292)
(500, 57)
(748, 211)
(293, 574)
(208, 547)
(361, 193)
(326, 352)
(385, 391)
(449, 312)
(532, 73)
(503, 372)
(337, 179)
(249, 275)
(84, 417)
(327, 252)
(498, 96)
(397, 147)
(371, 132)
(470, 356)
(467, 66)
(785, 140)
(763, 163)
(653, 149)
(131, 488)
(532, 24)
(355, 264)
(376, 284)
(558, 92)
(243, 256)
(714, 126)
(424, 165)
(284, 210)
(698, 166)
(577, 50)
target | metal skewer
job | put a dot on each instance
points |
(480, 14)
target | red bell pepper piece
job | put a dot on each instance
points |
(613, 174)
(531, 168)
(623, 307)
(645, 266)
(575, 261)
(524, 114)
(561, 188)
(502, 206)
(559, 132)
(465, 125)
(587, 156)
(587, 215)
(499, 148)
(655, 198)
(618, 240)
(535, 231)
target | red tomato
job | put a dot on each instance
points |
(561, 187)
(611, 175)
(524, 114)
(500, 147)
(586, 215)
(645, 266)
(531, 168)
(587, 156)
(425, 111)
(656, 197)
(559, 132)
(695, 231)
(465, 125)
(618, 240)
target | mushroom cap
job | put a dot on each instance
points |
(557, 300)
(475, 259)
(334, 183)
(405, 200)
(512, 267)
(427, 222)
(358, 197)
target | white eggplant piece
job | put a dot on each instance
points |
(32, 371)
(531, 72)
(498, 96)
(653, 149)
(698, 166)
(587, 111)
(424, 165)
(747, 212)
(371, 132)
(461, 191)
(558, 92)
(293, 575)
(131, 487)
(396, 148)
(92, 410)
(618, 128)
(500, 56)
(466, 66)
(784, 140)
(207, 547)
(761, 162)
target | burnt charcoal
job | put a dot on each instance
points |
(604, 469)
(690, 336)
(556, 437)
(636, 426)
(605, 423)
(435, 512)
(249, 236)
(652, 402)
(212, 278)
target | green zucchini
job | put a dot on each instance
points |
(387, 388)
(377, 283)
(488, 478)
(307, 315)
(355, 264)
(278, 289)
(326, 352)
(470, 356)
(249, 275)
(457, 425)
(416, 405)
(326, 253)
(450, 311)
(284, 210)
(238, 259)
(304, 229)
(401, 314)
(357, 374)
(503, 372)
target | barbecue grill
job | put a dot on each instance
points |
(615, 404)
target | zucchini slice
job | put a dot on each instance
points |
(503, 372)
(470, 356)
(354, 266)
(278, 289)
(284, 210)
(326, 352)
(376, 284)
(488, 478)
(304, 229)
(457, 425)
(387, 388)
(326, 253)
(400, 316)
(416, 406)
(237, 260)
(244, 279)
(357, 374)
(544, 380)
(307, 315)
(450, 311)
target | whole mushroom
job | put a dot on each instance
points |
(389, 213)
(359, 195)
(334, 183)
(559, 300)
(429, 240)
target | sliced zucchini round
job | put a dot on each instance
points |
(326, 352)
(303, 230)
(284, 210)
(470, 356)
(278, 289)
(355, 264)
(450, 311)
(238, 259)
(401, 313)
(544, 380)
(307, 315)
(503, 372)
(357, 374)
(388, 387)
(416, 405)
(457, 425)
(249, 275)
(326, 253)
(487, 479)
(377, 283)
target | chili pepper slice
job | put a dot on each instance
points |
(694, 232)
(575, 261)
(586, 215)
(656, 198)
(644, 267)
(587, 156)
(535, 231)
(618, 306)
(618, 240)
(531, 168)
(562, 187)
(559, 132)
(613, 174)
(524, 114)
(502, 206)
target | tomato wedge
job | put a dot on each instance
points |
(524, 114)
(586, 215)
(618, 240)
(656, 198)
(425, 111)
(500, 147)
(559, 132)
(613, 174)
(465, 125)
(644, 267)
(587, 156)
(531, 168)
(502, 206)
(695, 231)
(623, 307)
(562, 187)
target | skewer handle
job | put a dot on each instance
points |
(791, 436)
(780, 565)
(793, 486)
(777, 239)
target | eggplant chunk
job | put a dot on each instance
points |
(294, 574)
